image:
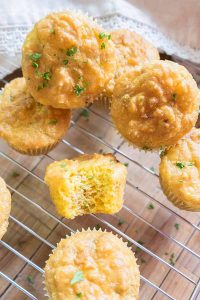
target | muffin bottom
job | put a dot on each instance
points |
(36, 152)
(177, 201)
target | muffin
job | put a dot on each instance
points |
(87, 184)
(5, 207)
(67, 59)
(180, 172)
(132, 49)
(28, 126)
(92, 265)
(155, 104)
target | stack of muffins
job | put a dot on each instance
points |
(69, 61)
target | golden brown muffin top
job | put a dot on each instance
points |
(155, 104)
(180, 172)
(24, 123)
(5, 206)
(94, 264)
(67, 60)
(132, 48)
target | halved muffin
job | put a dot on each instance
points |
(92, 265)
(87, 184)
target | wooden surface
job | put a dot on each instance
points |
(149, 225)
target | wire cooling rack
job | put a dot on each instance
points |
(166, 240)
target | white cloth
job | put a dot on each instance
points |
(179, 20)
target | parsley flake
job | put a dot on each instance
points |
(180, 164)
(35, 65)
(177, 226)
(71, 51)
(78, 89)
(30, 279)
(52, 31)
(151, 206)
(121, 221)
(35, 56)
(79, 295)
(78, 276)
(126, 164)
(172, 259)
(85, 114)
(15, 174)
(47, 76)
(65, 61)
(63, 164)
(103, 45)
(152, 169)
(53, 122)
(174, 97)
(104, 35)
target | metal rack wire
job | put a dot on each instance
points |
(183, 246)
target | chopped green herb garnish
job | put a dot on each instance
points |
(65, 61)
(35, 56)
(30, 279)
(103, 45)
(15, 174)
(53, 122)
(152, 169)
(121, 221)
(177, 226)
(47, 76)
(104, 35)
(85, 114)
(174, 97)
(71, 51)
(180, 164)
(63, 164)
(43, 85)
(78, 276)
(35, 65)
(97, 227)
(151, 206)
(78, 89)
(126, 164)
(52, 30)
(79, 295)
(172, 259)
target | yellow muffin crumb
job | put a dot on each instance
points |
(87, 184)
(180, 172)
(5, 207)
(28, 126)
(155, 104)
(67, 60)
(92, 265)
(132, 49)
